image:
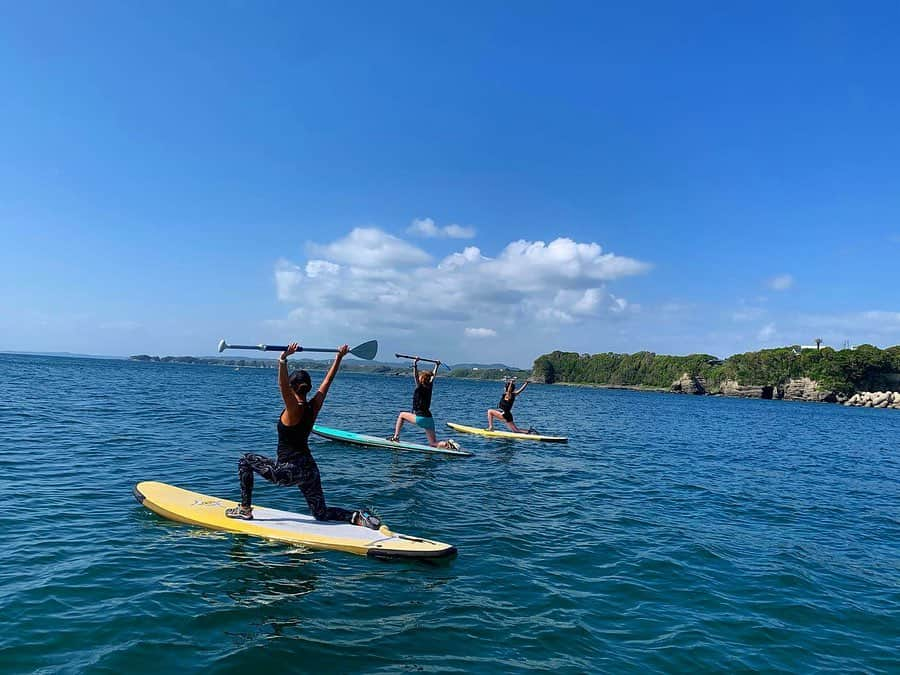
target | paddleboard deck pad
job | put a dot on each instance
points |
(507, 434)
(375, 442)
(194, 508)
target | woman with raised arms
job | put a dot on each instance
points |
(295, 465)
(421, 408)
(504, 408)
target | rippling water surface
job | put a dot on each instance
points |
(671, 533)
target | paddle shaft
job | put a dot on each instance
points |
(278, 348)
(407, 356)
(367, 350)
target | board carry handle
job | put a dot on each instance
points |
(367, 350)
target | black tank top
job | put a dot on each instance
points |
(507, 404)
(422, 400)
(293, 441)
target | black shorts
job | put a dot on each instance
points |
(507, 415)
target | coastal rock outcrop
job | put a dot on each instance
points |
(875, 399)
(805, 389)
(735, 388)
(688, 384)
(795, 389)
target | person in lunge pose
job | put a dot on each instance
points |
(505, 408)
(421, 408)
(295, 465)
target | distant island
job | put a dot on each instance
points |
(350, 365)
(790, 373)
(493, 371)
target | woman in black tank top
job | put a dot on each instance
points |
(504, 408)
(295, 465)
(421, 408)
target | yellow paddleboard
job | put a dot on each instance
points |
(294, 528)
(507, 434)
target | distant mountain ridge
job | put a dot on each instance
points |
(482, 366)
(70, 355)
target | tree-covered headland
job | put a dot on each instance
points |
(843, 371)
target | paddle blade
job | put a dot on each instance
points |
(367, 350)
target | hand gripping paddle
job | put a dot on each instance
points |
(407, 356)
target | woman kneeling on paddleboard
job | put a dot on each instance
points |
(421, 414)
(295, 465)
(505, 408)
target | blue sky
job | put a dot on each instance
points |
(472, 180)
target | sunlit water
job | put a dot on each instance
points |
(671, 533)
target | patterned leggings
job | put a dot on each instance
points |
(304, 474)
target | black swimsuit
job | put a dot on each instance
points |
(506, 406)
(295, 466)
(293, 442)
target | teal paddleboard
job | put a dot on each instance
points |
(375, 442)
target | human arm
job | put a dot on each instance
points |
(522, 388)
(416, 370)
(292, 408)
(319, 398)
(437, 364)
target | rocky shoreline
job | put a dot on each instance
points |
(875, 399)
(796, 389)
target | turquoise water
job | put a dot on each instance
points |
(672, 533)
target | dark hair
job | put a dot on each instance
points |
(300, 381)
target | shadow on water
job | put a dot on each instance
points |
(267, 571)
(505, 450)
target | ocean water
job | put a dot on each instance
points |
(671, 534)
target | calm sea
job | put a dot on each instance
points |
(671, 534)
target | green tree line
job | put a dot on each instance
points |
(845, 371)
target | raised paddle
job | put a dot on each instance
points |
(367, 350)
(407, 356)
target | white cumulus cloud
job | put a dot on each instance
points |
(288, 278)
(470, 254)
(562, 281)
(480, 332)
(315, 268)
(782, 282)
(426, 227)
(369, 247)
(459, 231)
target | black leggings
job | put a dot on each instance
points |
(304, 474)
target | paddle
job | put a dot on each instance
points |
(367, 350)
(407, 356)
